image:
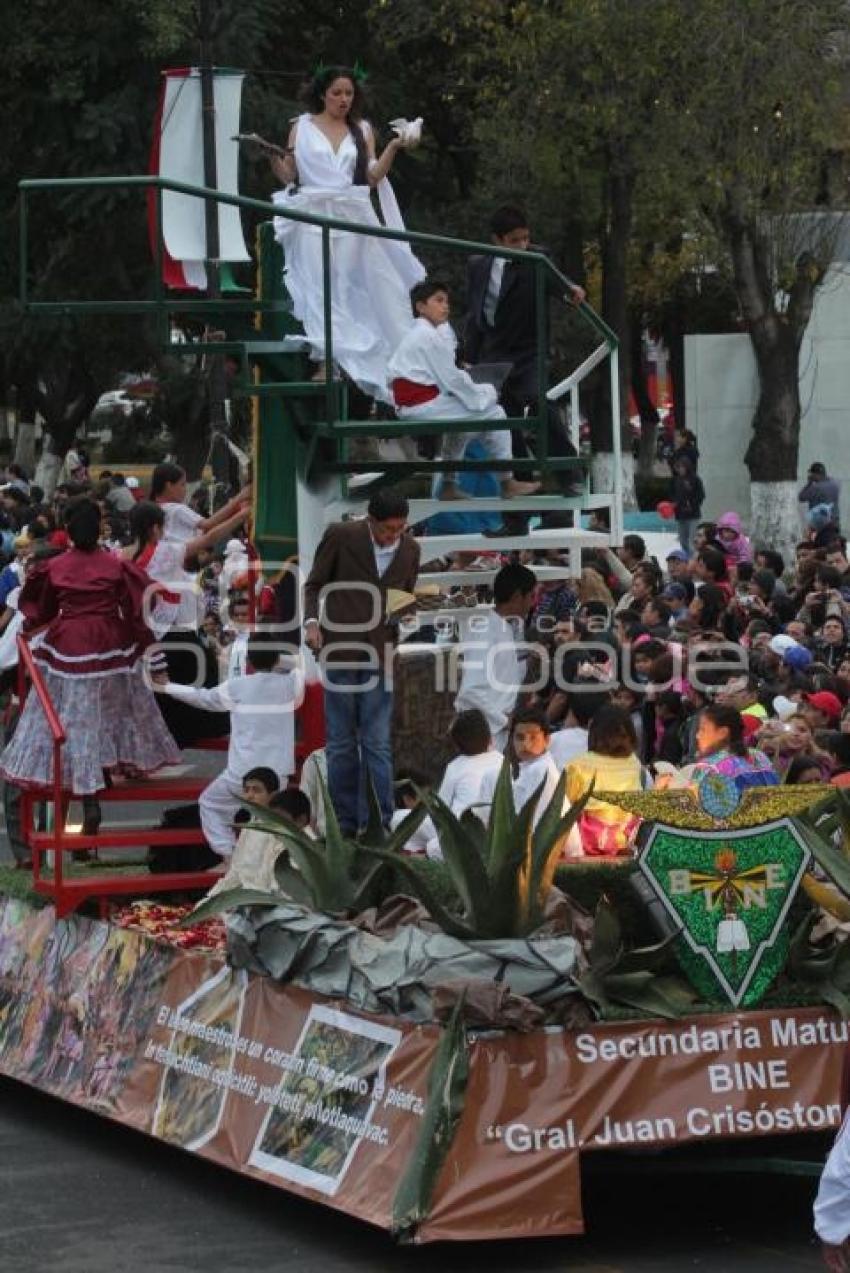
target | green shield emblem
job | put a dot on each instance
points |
(728, 892)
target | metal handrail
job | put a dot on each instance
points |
(26, 663)
(541, 264)
(307, 218)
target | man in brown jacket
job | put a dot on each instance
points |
(356, 563)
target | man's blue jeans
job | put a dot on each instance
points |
(358, 717)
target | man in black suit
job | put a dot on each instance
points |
(501, 326)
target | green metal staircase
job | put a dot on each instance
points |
(304, 471)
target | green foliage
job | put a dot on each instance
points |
(446, 1090)
(336, 875)
(501, 874)
(823, 967)
(630, 978)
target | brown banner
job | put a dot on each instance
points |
(536, 1101)
(319, 1099)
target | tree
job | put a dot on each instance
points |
(561, 115)
(762, 124)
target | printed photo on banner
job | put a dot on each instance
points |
(326, 1100)
(199, 1056)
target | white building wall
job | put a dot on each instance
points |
(721, 391)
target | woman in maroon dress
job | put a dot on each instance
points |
(93, 604)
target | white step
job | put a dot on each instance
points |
(459, 577)
(422, 509)
(550, 537)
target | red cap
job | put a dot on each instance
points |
(827, 702)
(752, 725)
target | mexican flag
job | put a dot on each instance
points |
(177, 152)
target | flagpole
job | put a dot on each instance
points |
(216, 385)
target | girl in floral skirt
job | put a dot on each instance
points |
(92, 604)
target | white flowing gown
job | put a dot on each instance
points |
(371, 278)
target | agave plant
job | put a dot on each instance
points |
(502, 873)
(822, 967)
(335, 874)
(630, 978)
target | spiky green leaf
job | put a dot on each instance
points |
(832, 860)
(509, 914)
(292, 882)
(641, 990)
(375, 832)
(500, 821)
(446, 1089)
(450, 923)
(338, 858)
(606, 946)
(462, 860)
(229, 900)
(547, 844)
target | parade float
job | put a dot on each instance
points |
(433, 1048)
(436, 1047)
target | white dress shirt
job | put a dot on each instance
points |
(491, 674)
(566, 744)
(494, 290)
(832, 1205)
(531, 774)
(383, 556)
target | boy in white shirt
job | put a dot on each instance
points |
(427, 384)
(262, 732)
(530, 744)
(492, 673)
(571, 739)
(464, 777)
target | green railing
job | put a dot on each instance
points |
(162, 305)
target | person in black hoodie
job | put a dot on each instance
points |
(688, 495)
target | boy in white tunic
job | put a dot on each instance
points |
(530, 743)
(262, 733)
(427, 384)
(492, 672)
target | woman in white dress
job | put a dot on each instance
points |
(330, 171)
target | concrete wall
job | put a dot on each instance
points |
(721, 390)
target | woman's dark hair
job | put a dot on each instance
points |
(612, 732)
(799, 765)
(82, 522)
(314, 100)
(728, 718)
(765, 580)
(713, 601)
(163, 475)
(143, 517)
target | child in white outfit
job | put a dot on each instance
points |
(262, 733)
(530, 742)
(427, 384)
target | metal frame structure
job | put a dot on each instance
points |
(547, 277)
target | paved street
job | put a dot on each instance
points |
(83, 1196)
